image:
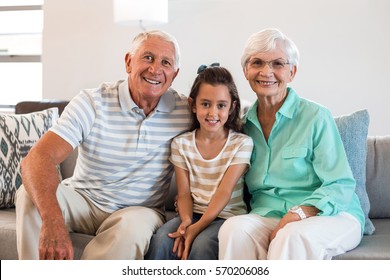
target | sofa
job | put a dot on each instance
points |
(374, 175)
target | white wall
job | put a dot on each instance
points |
(344, 46)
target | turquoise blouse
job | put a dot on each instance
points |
(303, 163)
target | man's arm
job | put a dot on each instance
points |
(40, 179)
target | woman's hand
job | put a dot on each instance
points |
(292, 217)
(288, 218)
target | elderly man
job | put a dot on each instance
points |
(123, 131)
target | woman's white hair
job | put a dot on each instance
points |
(264, 41)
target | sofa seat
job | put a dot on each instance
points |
(8, 250)
(8, 234)
(372, 247)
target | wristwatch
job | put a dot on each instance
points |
(298, 210)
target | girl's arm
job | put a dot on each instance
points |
(185, 204)
(222, 195)
(217, 204)
(184, 198)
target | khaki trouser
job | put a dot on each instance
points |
(124, 234)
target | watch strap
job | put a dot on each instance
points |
(298, 210)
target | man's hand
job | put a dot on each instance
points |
(54, 242)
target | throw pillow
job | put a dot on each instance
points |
(353, 130)
(18, 133)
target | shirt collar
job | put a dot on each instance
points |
(126, 102)
(166, 104)
(290, 105)
(167, 101)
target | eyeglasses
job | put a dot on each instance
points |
(276, 64)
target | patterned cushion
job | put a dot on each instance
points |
(18, 133)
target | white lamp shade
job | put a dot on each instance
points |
(132, 12)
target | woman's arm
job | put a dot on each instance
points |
(331, 165)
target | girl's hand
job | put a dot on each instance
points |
(189, 237)
(178, 245)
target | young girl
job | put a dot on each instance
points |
(209, 161)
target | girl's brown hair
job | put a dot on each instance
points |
(218, 76)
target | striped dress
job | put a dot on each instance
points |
(206, 175)
(123, 154)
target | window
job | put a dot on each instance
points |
(21, 25)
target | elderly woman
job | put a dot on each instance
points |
(303, 201)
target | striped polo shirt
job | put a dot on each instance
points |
(123, 154)
(206, 175)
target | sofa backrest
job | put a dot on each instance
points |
(377, 164)
(68, 165)
(378, 176)
(25, 107)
